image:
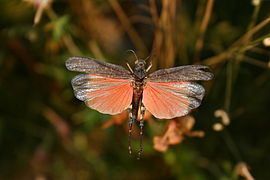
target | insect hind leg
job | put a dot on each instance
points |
(130, 123)
(142, 110)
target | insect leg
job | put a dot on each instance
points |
(130, 122)
(129, 67)
(149, 67)
(142, 110)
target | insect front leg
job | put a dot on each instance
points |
(149, 67)
(141, 120)
(130, 122)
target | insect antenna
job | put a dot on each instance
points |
(137, 60)
(148, 57)
(142, 110)
(152, 55)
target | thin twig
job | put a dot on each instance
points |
(61, 126)
(228, 91)
(239, 44)
(67, 39)
(153, 11)
(43, 5)
(216, 59)
(156, 46)
(254, 61)
(251, 32)
(260, 51)
(134, 36)
(167, 21)
(93, 46)
(203, 27)
(141, 19)
(72, 48)
(254, 16)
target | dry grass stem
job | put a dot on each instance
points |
(246, 37)
(134, 36)
(163, 44)
(60, 125)
(71, 46)
(153, 11)
(253, 61)
(93, 46)
(241, 41)
(41, 7)
(202, 30)
(141, 19)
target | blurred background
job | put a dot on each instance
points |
(46, 133)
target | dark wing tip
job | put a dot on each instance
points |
(206, 71)
(71, 63)
(74, 63)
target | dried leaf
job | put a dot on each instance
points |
(175, 132)
(160, 144)
(242, 169)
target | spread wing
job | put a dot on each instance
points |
(170, 100)
(181, 73)
(94, 66)
(105, 87)
(106, 95)
(168, 93)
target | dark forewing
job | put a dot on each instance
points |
(181, 73)
(94, 66)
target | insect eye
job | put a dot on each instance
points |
(141, 63)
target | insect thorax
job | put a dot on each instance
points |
(140, 70)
